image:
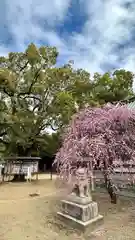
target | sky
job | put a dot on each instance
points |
(98, 35)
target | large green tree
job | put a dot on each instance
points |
(36, 95)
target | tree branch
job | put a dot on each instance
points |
(34, 97)
(56, 129)
(22, 68)
(32, 84)
(2, 141)
(9, 94)
(36, 106)
(3, 134)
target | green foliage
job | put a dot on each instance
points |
(113, 87)
(36, 95)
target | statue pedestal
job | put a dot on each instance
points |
(76, 199)
(80, 212)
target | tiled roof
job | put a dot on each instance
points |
(131, 105)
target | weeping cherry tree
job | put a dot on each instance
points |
(104, 136)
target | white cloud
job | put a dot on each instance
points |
(108, 24)
(23, 19)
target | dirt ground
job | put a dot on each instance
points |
(34, 218)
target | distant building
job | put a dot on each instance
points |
(131, 103)
(18, 166)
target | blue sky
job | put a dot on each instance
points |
(98, 35)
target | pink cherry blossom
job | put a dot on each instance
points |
(104, 136)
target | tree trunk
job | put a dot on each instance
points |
(110, 189)
(112, 193)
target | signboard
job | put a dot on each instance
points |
(18, 168)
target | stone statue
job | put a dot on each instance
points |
(82, 187)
